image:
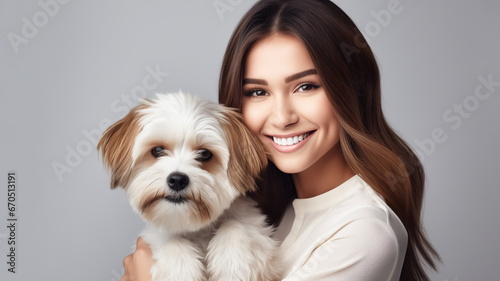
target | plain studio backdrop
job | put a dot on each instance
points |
(71, 68)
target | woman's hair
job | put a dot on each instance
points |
(351, 77)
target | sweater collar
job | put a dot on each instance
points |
(325, 200)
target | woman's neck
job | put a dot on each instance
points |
(328, 172)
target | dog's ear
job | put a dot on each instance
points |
(247, 156)
(116, 146)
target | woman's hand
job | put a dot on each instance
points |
(138, 265)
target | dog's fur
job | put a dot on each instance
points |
(186, 164)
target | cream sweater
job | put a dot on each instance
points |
(347, 233)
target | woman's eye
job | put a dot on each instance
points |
(204, 155)
(255, 93)
(306, 87)
(158, 151)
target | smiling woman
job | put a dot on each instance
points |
(286, 68)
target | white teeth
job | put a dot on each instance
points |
(291, 140)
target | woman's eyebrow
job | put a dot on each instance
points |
(254, 81)
(287, 79)
(300, 75)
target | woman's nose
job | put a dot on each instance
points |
(284, 113)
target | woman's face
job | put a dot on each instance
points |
(286, 106)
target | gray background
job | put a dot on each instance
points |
(82, 66)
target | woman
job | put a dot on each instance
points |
(344, 191)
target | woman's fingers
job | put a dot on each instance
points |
(138, 264)
(141, 244)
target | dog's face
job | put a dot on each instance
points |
(182, 160)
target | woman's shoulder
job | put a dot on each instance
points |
(366, 209)
(359, 234)
(353, 202)
(361, 216)
(360, 201)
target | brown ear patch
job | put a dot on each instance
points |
(247, 156)
(116, 146)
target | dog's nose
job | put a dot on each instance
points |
(177, 181)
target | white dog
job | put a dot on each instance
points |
(186, 164)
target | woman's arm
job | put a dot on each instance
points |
(138, 264)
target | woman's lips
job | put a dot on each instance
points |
(290, 140)
(289, 143)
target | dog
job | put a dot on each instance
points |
(186, 165)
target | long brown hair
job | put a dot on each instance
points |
(350, 74)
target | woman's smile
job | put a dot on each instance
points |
(288, 141)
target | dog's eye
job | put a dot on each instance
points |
(204, 155)
(158, 151)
